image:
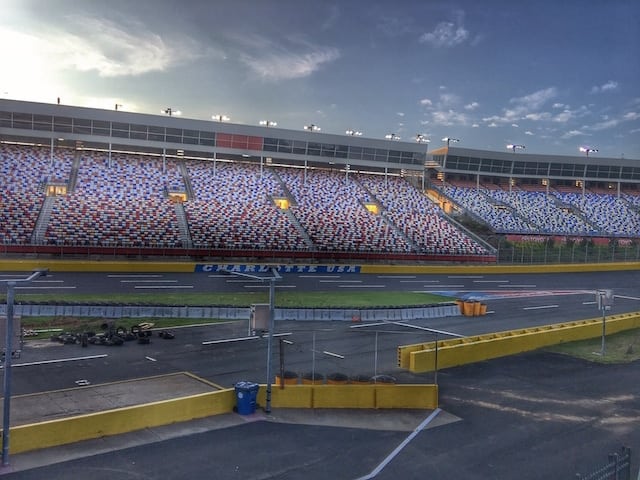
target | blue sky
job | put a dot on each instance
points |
(551, 75)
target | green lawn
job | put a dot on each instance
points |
(621, 347)
(242, 299)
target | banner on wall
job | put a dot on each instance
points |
(243, 268)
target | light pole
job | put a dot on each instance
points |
(118, 105)
(449, 140)
(220, 118)
(588, 150)
(422, 138)
(353, 133)
(312, 127)
(392, 136)
(268, 123)
(170, 111)
(6, 419)
(515, 147)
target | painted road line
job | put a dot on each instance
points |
(48, 281)
(31, 287)
(59, 360)
(218, 276)
(177, 327)
(399, 448)
(589, 303)
(419, 281)
(517, 286)
(417, 327)
(267, 286)
(465, 276)
(340, 281)
(541, 307)
(331, 354)
(230, 340)
(244, 280)
(134, 276)
(361, 325)
(163, 286)
(151, 359)
(447, 286)
(396, 276)
(491, 281)
(318, 276)
(148, 281)
(362, 286)
(625, 297)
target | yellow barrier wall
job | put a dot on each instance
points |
(11, 265)
(112, 422)
(122, 420)
(483, 347)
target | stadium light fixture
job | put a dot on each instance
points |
(449, 140)
(170, 111)
(268, 123)
(392, 136)
(353, 133)
(422, 138)
(118, 105)
(514, 147)
(588, 150)
(220, 118)
(312, 127)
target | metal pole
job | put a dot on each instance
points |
(7, 376)
(602, 348)
(375, 357)
(313, 358)
(281, 363)
(272, 288)
(435, 370)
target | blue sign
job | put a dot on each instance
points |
(242, 268)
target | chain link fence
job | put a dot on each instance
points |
(578, 252)
(618, 467)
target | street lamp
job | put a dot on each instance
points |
(353, 133)
(220, 118)
(6, 424)
(515, 147)
(312, 127)
(449, 140)
(268, 123)
(588, 150)
(170, 111)
(392, 136)
(118, 105)
(422, 138)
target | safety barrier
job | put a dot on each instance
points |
(236, 313)
(122, 420)
(422, 357)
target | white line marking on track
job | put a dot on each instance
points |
(151, 359)
(419, 281)
(318, 276)
(625, 297)
(44, 288)
(148, 281)
(59, 360)
(491, 281)
(134, 276)
(267, 286)
(465, 276)
(396, 276)
(518, 286)
(443, 332)
(399, 448)
(589, 303)
(340, 281)
(362, 286)
(541, 307)
(331, 354)
(163, 286)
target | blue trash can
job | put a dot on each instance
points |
(246, 395)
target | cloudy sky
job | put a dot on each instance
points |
(552, 75)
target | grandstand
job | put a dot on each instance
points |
(86, 181)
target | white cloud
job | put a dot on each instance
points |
(535, 100)
(610, 85)
(515, 125)
(447, 34)
(286, 65)
(471, 106)
(449, 117)
(492, 125)
(559, 105)
(631, 116)
(563, 117)
(426, 102)
(447, 99)
(400, 114)
(92, 44)
(573, 133)
(538, 116)
(525, 107)
(475, 125)
(529, 132)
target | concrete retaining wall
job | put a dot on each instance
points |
(459, 351)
